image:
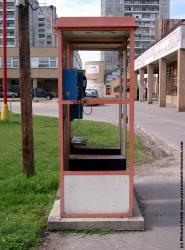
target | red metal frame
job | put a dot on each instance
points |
(116, 215)
(99, 42)
(61, 127)
(4, 55)
(97, 173)
(88, 24)
(97, 101)
(96, 23)
(131, 122)
(68, 107)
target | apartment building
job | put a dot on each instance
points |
(40, 25)
(43, 44)
(10, 23)
(146, 13)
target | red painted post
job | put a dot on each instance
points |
(4, 111)
(131, 114)
(4, 55)
(61, 121)
(68, 106)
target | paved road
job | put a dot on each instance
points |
(165, 123)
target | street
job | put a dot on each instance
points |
(164, 123)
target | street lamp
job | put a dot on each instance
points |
(4, 111)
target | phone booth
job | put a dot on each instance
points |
(95, 183)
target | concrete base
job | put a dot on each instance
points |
(55, 223)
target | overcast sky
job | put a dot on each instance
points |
(93, 8)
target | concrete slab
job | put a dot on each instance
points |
(136, 223)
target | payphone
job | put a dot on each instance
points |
(74, 89)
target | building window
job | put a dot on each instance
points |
(41, 25)
(15, 62)
(109, 1)
(128, 8)
(9, 5)
(119, 9)
(48, 42)
(48, 30)
(53, 62)
(10, 42)
(109, 10)
(48, 25)
(41, 19)
(10, 14)
(41, 43)
(10, 24)
(36, 62)
(146, 16)
(43, 62)
(137, 9)
(41, 35)
(42, 30)
(8, 62)
(10, 33)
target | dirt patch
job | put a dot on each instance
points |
(157, 148)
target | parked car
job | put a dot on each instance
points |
(91, 93)
(52, 92)
(9, 94)
(42, 93)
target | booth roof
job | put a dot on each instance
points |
(96, 33)
(100, 23)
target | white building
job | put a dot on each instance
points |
(167, 59)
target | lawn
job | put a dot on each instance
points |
(25, 203)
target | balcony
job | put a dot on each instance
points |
(153, 3)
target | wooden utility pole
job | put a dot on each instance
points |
(26, 89)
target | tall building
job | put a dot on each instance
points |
(42, 27)
(10, 23)
(40, 22)
(146, 13)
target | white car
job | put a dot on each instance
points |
(12, 94)
(9, 94)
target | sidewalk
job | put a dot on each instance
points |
(157, 187)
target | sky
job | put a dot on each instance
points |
(93, 8)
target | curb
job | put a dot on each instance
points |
(168, 149)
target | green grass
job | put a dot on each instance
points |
(106, 135)
(26, 202)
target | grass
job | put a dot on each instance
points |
(106, 135)
(26, 202)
